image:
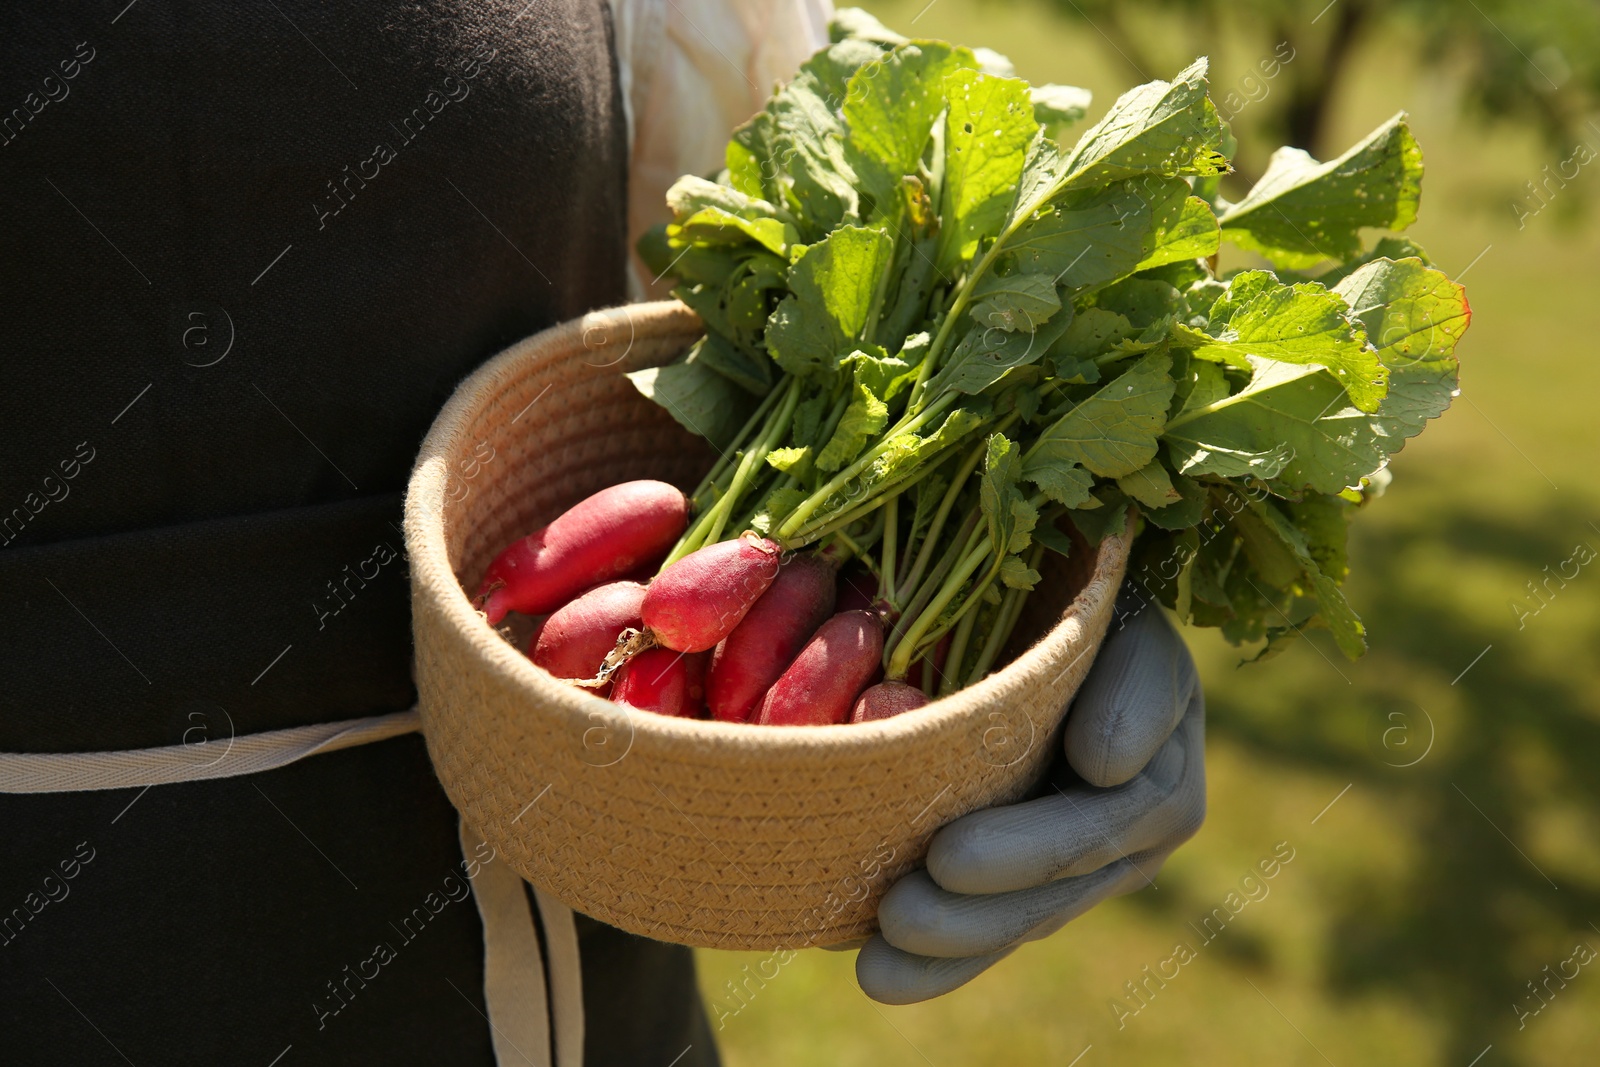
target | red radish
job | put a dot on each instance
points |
(657, 679)
(696, 664)
(887, 699)
(858, 590)
(597, 540)
(576, 637)
(774, 631)
(698, 600)
(824, 680)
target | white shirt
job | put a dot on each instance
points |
(691, 71)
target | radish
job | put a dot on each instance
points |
(657, 679)
(574, 640)
(771, 634)
(824, 680)
(858, 590)
(887, 699)
(698, 600)
(599, 539)
(696, 665)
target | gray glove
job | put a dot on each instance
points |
(1003, 876)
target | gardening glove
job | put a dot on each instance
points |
(1004, 876)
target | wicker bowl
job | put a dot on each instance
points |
(703, 833)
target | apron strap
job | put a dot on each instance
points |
(520, 1007)
(77, 772)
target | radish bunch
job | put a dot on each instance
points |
(732, 631)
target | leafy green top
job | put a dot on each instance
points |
(910, 287)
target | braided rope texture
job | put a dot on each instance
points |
(709, 834)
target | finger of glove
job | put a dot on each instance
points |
(1134, 696)
(917, 916)
(1078, 830)
(890, 976)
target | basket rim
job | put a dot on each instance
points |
(434, 577)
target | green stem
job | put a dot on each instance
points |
(930, 540)
(929, 642)
(708, 528)
(810, 504)
(919, 600)
(725, 459)
(929, 615)
(753, 461)
(830, 522)
(975, 275)
(958, 652)
(891, 535)
(1005, 622)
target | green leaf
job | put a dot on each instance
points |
(832, 285)
(690, 194)
(1050, 536)
(713, 225)
(890, 108)
(1151, 486)
(1113, 432)
(904, 452)
(1186, 512)
(1199, 384)
(1086, 238)
(1144, 302)
(885, 376)
(1108, 519)
(1170, 129)
(1333, 610)
(1302, 212)
(807, 145)
(701, 400)
(787, 459)
(1093, 331)
(1043, 167)
(988, 130)
(808, 418)
(750, 291)
(1324, 522)
(1068, 485)
(928, 494)
(1291, 424)
(774, 508)
(1415, 316)
(750, 373)
(749, 158)
(1015, 303)
(864, 418)
(986, 353)
(1259, 317)
(854, 22)
(1060, 105)
(1009, 516)
(1186, 230)
(1015, 574)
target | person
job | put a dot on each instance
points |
(249, 253)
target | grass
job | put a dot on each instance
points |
(1459, 858)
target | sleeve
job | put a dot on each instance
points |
(692, 70)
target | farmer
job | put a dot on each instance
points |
(249, 251)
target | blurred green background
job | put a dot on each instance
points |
(1462, 855)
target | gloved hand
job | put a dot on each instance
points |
(1000, 877)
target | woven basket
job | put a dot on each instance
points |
(703, 833)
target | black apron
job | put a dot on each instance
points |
(247, 250)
